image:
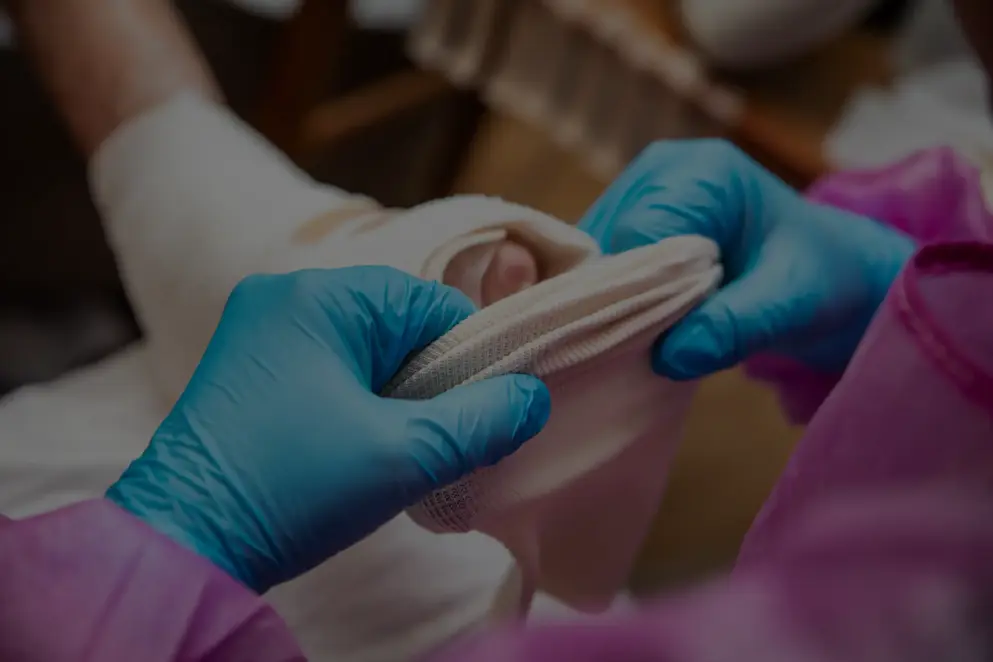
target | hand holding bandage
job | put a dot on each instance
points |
(802, 280)
(574, 505)
(279, 453)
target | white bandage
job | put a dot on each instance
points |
(574, 504)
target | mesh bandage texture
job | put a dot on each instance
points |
(588, 334)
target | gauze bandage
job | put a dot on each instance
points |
(194, 201)
(427, 240)
(574, 504)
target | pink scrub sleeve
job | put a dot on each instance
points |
(933, 195)
(91, 582)
(877, 543)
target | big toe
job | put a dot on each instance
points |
(512, 268)
(492, 272)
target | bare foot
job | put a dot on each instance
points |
(489, 273)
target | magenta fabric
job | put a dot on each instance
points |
(877, 543)
(91, 582)
(933, 195)
(914, 408)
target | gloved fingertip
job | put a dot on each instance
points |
(492, 418)
(451, 305)
(536, 403)
(633, 234)
(691, 351)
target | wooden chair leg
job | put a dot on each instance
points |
(296, 115)
(465, 118)
(308, 56)
(326, 123)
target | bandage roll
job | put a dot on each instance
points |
(574, 504)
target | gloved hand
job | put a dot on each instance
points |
(801, 280)
(279, 453)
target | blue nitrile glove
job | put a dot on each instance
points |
(279, 453)
(801, 280)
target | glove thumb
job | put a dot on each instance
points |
(762, 308)
(477, 425)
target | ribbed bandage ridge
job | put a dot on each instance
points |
(559, 324)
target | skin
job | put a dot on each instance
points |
(107, 61)
(510, 268)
